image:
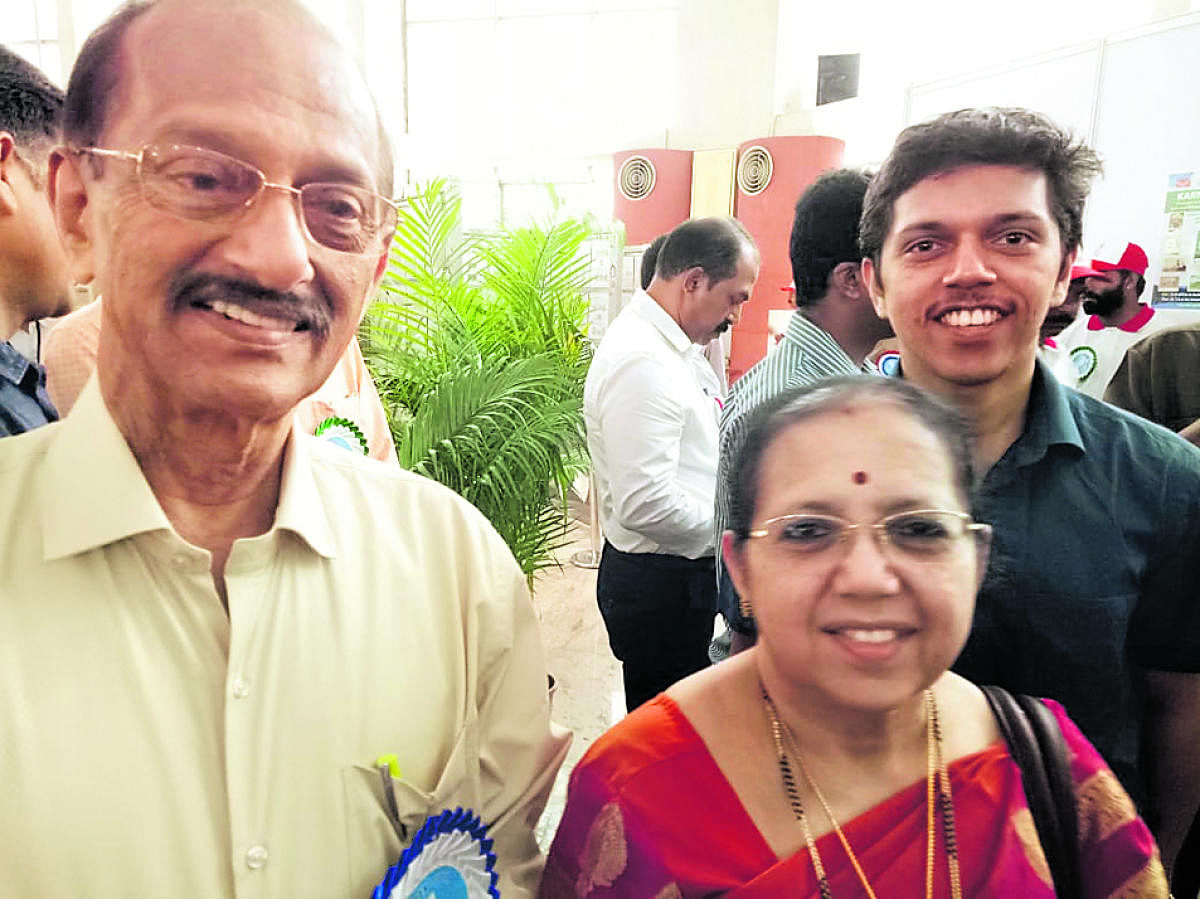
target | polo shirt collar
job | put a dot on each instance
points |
(95, 493)
(1138, 321)
(647, 307)
(1049, 420)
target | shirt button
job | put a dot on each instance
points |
(181, 561)
(256, 857)
(241, 687)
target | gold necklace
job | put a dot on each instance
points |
(937, 793)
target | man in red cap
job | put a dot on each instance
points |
(1060, 316)
(1116, 319)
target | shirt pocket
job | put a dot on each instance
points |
(372, 844)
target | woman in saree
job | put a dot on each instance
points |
(839, 756)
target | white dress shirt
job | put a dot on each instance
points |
(651, 405)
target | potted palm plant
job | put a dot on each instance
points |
(478, 348)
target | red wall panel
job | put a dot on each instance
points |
(667, 204)
(795, 162)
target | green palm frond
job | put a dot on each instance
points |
(479, 352)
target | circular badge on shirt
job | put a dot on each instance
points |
(1084, 358)
(888, 363)
(344, 433)
(449, 858)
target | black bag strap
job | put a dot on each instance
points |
(1036, 744)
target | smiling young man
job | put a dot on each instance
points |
(969, 231)
(235, 660)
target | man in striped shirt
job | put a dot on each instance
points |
(832, 332)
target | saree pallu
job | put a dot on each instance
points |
(649, 815)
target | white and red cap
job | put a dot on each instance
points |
(1132, 258)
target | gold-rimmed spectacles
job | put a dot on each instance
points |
(918, 533)
(203, 185)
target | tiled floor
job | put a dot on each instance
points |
(588, 698)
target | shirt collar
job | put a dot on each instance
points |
(96, 493)
(1132, 326)
(648, 308)
(301, 509)
(13, 366)
(1049, 419)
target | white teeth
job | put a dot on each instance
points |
(229, 310)
(861, 635)
(964, 318)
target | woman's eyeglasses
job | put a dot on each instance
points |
(921, 532)
(207, 186)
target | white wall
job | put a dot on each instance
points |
(726, 66)
(902, 45)
(517, 91)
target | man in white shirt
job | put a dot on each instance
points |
(238, 660)
(1114, 320)
(651, 405)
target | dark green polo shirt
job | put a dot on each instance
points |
(1095, 564)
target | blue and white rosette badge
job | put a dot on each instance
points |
(450, 858)
(888, 363)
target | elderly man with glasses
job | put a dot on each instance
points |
(236, 660)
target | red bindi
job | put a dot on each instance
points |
(859, 477)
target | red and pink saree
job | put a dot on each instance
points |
(649, 814)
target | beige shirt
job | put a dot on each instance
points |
(151, 745)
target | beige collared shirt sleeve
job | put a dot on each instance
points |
(154, 745)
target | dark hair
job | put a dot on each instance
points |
(31, 106)
(825, 231)
(985, 136)
(714, 244)
(650, 259)
(769, 420)
(96, 75)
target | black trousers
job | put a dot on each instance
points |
(659, 611)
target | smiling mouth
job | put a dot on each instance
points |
(234, 312)
(976, 317)
(873, 635)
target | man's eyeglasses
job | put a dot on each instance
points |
(921, 532)
(207, 186)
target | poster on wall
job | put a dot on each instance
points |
(1178, 282)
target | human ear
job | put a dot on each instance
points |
(69, 197)
(8, 159)
(381, 265)
(694, 279)
(847, 278)
(870, 280)
(983, 551)
(734, 559)
(1064, 279)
